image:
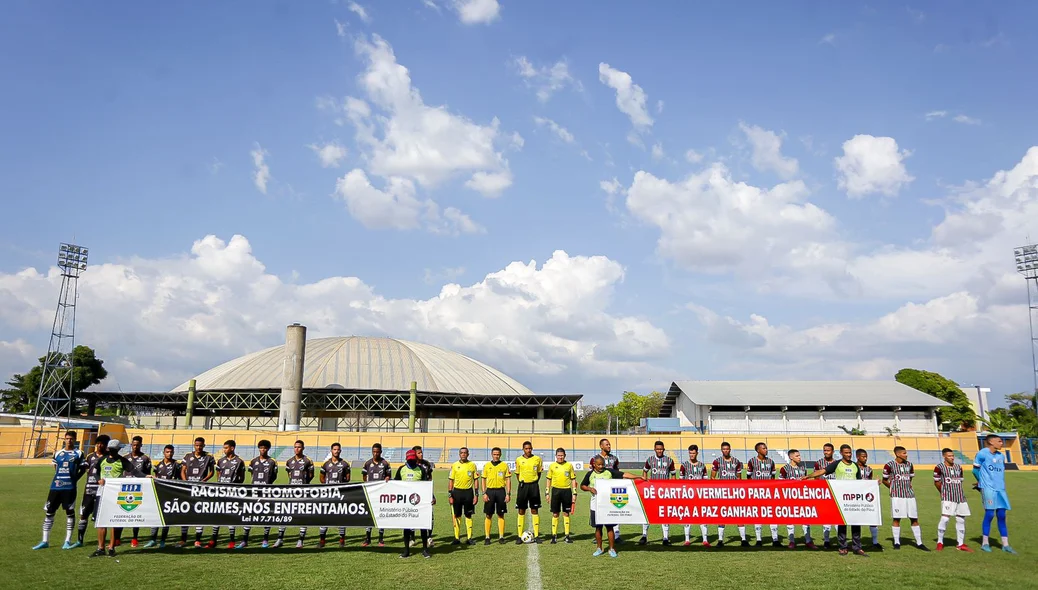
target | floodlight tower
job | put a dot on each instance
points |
(1027, 265)
(54, 399)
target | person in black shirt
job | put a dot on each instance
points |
(197, 466)
(86, 508)
(231, 469)
(427, 475)
(300, 472)
(167, 468)
(376, 469)
(141, 468)
(334, 470)
(264, 470)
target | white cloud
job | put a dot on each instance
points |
(767, 151)
(829, 38)
(215, 166)
(917, 15)
(517, 141)
(935, 115)
(167, 319)
(561, 132)
(261, 174)
(359, 11)
(630, 98)
(396, 207)
(330, 154)
(411, 139)
(966, 120)
(547, 80)
(872, 165)
(659, 107)
(710, 222)
(455, 222)
(474, 12)
(612, 187)
(490, 184)
(657, 151)
(693, 157)
(340, 28)
(447, 274)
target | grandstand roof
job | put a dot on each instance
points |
(364, 364)
(800, 393)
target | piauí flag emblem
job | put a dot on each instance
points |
(130, 497)
(618, 497)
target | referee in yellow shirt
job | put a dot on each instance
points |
(562, 484)
(528, 469)
(463, 488)
(497, 493)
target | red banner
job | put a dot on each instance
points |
(747, 501)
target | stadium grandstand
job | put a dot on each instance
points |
(801, 407)
(352, 383)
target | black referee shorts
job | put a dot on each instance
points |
(561, 500)
(529, 496)
(464, 502)
(495, 503)
(61, 499)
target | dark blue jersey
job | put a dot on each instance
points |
(68, 466)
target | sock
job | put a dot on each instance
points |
(742, 533)
(70, 526)
(1003, 528)
(960, 531)
(536, 525)
(281, 534)
(554, 525)
(688, 529)
(198, 535)
(322, 533)
(500, 527)
(183, 534)
(165, 533)
(468, 526)
(897, 534)
(302, 533)
(83, 524)
(565, 523)
(486, 527)
(457, 529)
(154, 535)
(616, 532)
(408, 534)
(666, 531)
(756, 531)
(521, 519)
(941, 526)
(918, 534)
(807, 535)
(136, 531)
(791, 532)
(826, 532)
(702, 530)
(645, 530)
(381, 535)
(232, 530)
(48, 522)
(216, 533)
(720, 534)
(774, 532)
(875, 534)
(342, 533)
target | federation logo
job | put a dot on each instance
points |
(414, 499)
(618, 497)
(130, 497)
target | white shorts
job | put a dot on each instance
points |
(955, 509)
(903, 508)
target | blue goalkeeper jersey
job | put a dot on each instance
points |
(990, 469)
(66, 469)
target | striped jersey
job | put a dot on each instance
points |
(866, 471)
(697, 470)
(659, 467)
(822, 463)
(609, 461)
(757, 468)
(900, 477)
(950, 477)
(791, 471)
(729, 468)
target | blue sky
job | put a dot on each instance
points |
(841, 214)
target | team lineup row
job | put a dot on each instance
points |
(465, 482)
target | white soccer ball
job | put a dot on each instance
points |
(527, 536)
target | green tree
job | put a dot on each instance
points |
(1022, 408)
(592, 419)
(960, 416)
(87, 370)
(1000, 420)
(633, 407)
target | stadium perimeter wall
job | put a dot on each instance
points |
(442, 449)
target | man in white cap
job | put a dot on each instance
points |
(112, 466)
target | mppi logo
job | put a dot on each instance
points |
(868, 497)
(413, 499)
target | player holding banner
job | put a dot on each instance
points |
(866, 473)
(947, 476)
(168, 468)
(726, 467)
(821, 465)
(657, 466)
(197, 466)
(230, 469)
(761, 468)
(334, 471)
(796, 470)
(300, 473)
(695, 469)
(264, 470)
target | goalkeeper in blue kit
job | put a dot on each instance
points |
(989, 467)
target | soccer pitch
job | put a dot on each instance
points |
(511, 567)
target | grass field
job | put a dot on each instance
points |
(23, 490)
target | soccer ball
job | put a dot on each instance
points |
(527, 537)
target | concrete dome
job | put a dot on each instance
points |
(365, 364)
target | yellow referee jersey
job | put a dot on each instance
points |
(528, 469)
(463, 474)
(561, 475)
(495, 476)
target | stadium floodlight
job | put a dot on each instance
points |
(72, 259)
(1027, 265)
